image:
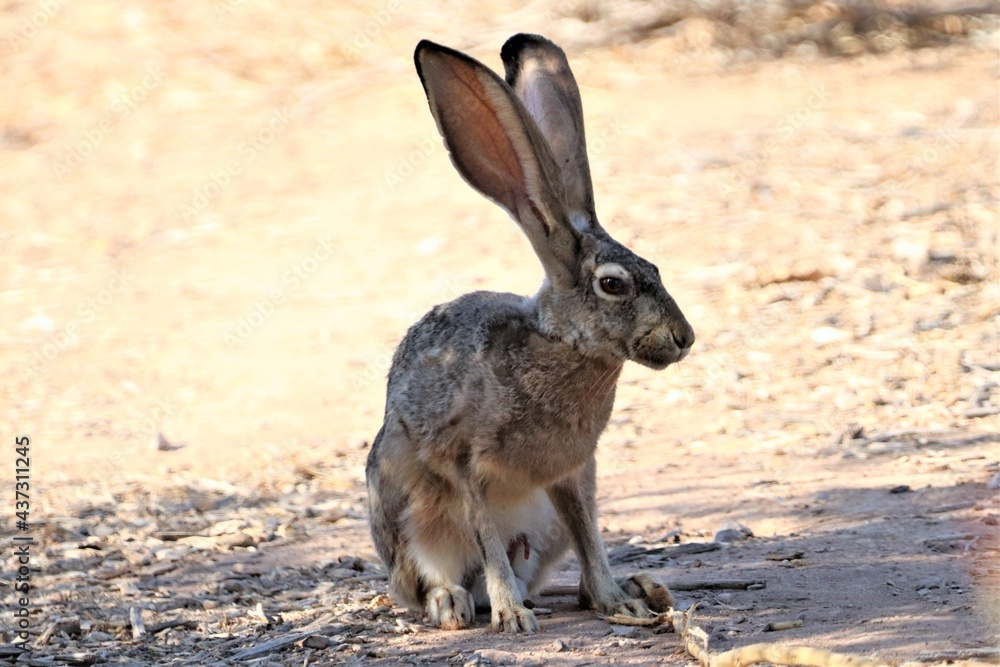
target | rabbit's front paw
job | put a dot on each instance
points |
(450, 607)
(514, 619)
(647, 588)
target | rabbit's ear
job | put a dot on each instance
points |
(539, 73)
(498, 149)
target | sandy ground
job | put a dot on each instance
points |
(217, 220)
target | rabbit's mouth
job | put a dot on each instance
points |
(659, 348)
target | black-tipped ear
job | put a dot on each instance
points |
(497, 148)
(538, 72)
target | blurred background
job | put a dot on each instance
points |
(218, 218)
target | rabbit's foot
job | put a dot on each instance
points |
(632, 607)
(514, 618)
(650, 590)
(451, 607)
(610, 597)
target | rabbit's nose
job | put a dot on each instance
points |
(683, 334)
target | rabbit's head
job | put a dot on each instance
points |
(521, 144)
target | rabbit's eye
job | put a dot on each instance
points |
(612, 282)
(613, 286)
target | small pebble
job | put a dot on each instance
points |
(902, 488)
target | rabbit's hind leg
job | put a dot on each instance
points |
(444, 561)
(415, 536)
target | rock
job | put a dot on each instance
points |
(732, 532)
(161, 444)
(69, 625)
(912, 251)
(237, 540)
(314, 641)
(623, 630)
(226, 527)
(199, 542)
(128, 587)
(169, 554)
(559, 646)
(489, 656)
(827, 335)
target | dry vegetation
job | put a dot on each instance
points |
(218, 218)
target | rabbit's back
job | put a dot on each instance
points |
(454, 332)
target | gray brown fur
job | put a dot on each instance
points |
(495, 402)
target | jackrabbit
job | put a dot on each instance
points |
(483, 472)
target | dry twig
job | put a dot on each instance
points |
(284, 640)
(778, 626)
(696, 585)
(135, 620)
(696, 644)
(984, 654)
(619, 619)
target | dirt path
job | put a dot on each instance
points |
(219, 237)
